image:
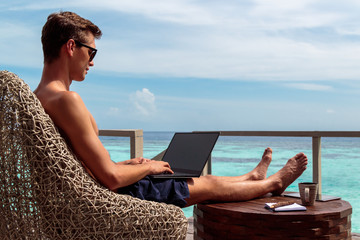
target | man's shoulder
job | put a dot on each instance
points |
(67, 97)
(64, 104)
(53, 99)
(68, 112)
(64, 100)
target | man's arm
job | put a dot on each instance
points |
(70, 114)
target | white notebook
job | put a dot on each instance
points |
(287, 208)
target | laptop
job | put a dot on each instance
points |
(188, 153)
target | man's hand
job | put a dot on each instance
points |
(158, 167)
(155, 167)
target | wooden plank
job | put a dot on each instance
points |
(292, 133)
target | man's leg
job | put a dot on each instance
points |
(226, 189)
(258, 173)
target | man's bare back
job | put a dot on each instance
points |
(54, 100)
(56, 103)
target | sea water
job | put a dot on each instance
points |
(232, 156)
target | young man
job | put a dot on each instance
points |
(69, 49)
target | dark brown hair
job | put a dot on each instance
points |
(60, 27)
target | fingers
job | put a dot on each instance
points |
(160, 167)
(167, 167)
(169, 170)
(141, 160)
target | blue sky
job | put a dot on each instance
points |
(206, 65)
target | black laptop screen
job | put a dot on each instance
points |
(190, 150)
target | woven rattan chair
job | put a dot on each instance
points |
(45, 192)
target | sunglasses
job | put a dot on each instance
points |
(93, 50)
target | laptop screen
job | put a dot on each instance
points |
(190, 151)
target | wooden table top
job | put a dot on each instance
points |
(338, 208)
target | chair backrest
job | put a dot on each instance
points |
(19, 208)
(36, 167)
(47, 194)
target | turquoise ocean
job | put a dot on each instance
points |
(238, 155)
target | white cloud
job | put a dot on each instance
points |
(144, 102)
(178, 11)
(310, 86)
(248, 40)
(293, 14)
(265, 40)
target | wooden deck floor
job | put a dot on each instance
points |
(355, 236)
(190, 231)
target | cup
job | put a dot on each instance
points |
(308, 192)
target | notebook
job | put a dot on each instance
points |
(187, 154)
(286, 208)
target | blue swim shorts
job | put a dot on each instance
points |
(171, 191)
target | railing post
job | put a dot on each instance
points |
(316, 153)
(207, 167)
(136, 139)
(136, 144)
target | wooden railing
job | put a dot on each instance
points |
(136, 139)
(316, 144)
(136, 143)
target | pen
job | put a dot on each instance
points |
(281, 204)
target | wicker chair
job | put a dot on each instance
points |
(45, 193)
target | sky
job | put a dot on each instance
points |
(182, 65)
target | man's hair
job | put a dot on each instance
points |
(60, 27)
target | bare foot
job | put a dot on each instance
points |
(290, 172)
(259, 173)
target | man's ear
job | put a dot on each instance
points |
(70, 47)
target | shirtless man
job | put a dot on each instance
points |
(69, 49)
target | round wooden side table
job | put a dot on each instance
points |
(250, 220)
